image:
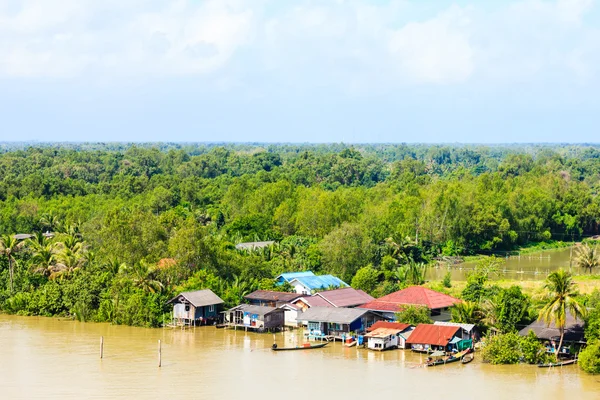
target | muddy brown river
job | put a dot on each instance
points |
(49, 358)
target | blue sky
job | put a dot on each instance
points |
(300, 71)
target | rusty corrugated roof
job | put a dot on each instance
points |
(432, 334)
(345, 297)
(391, 325)
(269, 295)
(414, 295)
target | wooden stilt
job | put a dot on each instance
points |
(159, 354)
(101, 347)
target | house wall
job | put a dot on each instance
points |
(300, 288)
(274, 319)
(206, 312)
(382, 343)
(445, 315)
(180, 312)
(290, 317)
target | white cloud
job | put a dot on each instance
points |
(434, 51)
(353, 45)
(44, 38)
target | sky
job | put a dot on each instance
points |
(427, 71)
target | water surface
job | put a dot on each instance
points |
(48, 358)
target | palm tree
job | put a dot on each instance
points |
(466, 312)
(142, 276)
(587, 257)
(9, 245)
(43, 258)
(68, 262)
(50, 222)
(561, 301)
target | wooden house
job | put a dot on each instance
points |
(200, 307)
(291, 314)
(383, 335)
(259, 318)
(428, 338)
(549, 334)
(438, 303)
(337, 322)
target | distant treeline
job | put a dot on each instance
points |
(176, 211)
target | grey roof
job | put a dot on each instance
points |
(269, 295)
(466, 327)
(332, 314)
(22, 236)
(573, 330)
(249, 308)
(198, 298)
(253, 245)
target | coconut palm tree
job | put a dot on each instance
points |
(43, 258)
(141, 274)
(68, 262)
(587, 257)
(466, 312)
(561, 301)
(9, 245)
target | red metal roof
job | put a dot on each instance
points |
(388, 325)
(345, 297)
(438, 335)
(415, 295)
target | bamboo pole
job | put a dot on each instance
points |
(159, 354)
(101, 347)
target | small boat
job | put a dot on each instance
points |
(220, 326)
(305, 346)
(443, 361)
(557, 364)
(351, 344)
(467, 358)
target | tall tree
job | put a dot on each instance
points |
(561, 302)
(9, 245)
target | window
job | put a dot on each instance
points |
(211, 308)
(187, 308)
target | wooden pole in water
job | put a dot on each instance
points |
(159, 354)
(101, 347)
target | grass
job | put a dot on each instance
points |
(586, 284)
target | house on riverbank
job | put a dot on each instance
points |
(200, 307)
(271, 298)
(438, 303)
(259, 318)
(428, 337)
(336, 323)
(467, 331)
(550, 334)
(383, 335)
(310, 284)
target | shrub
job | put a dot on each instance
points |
(502, 349)
(447, 281)
(414, 315)
(532, 350)
(589, 358)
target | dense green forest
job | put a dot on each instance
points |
(134, 224)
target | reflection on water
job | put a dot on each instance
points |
(526, 267)
(52, 359)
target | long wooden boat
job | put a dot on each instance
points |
(557, 364)
(306, 346)
(452, 359)
(220, 326)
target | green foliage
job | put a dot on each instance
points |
(532, 350)
(366, 279)
(511, 308)
(589, 358)
(502, 349)
(135, 224)
(414, 315)
(447, 281)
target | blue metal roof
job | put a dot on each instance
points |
(321, 281)
(288, 276)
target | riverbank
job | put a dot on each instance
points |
(585, 283)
